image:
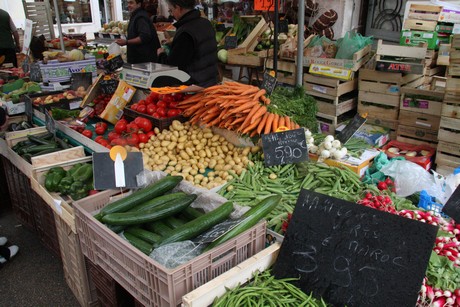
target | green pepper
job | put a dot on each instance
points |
(84, 173)
(52, 181)
(74, 168)
(57, 169)
(78, 190)
(64, 185)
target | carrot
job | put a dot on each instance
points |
(262, 110)
(268, 123)
(265, 99)
(249, 91)
(262, 123)
(247, 121)
(194, 98)
(212, 101)
(252, 126)
(236, 121)
(214, 122)
(212, 88)
(287, 122)
(259, 93)
(275, 122)
(241, 108)
(281, 122)
(297, 126)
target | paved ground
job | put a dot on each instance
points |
(34, 277)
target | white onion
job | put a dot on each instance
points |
(336, 144)
(325, 154)
(328, 138)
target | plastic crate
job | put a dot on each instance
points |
(160, 123)
(149, 282)
(75, 271)
(45, 225)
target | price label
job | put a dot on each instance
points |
(269, 83)
(285, 147)
(50, 123)
(34, 72)
(231, 42)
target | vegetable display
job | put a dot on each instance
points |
(237, 107)
(39, 144)
(76, 182)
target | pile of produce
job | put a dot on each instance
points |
(115, 27)
(200, 156)
(237, 107)
(13, 90)
(76, 182)
(159, 105)
(39, 144)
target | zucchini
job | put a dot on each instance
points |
(38, 140)
(155, 189)
(63, 144)
(174, 222)
(159, 227)
(37, 148)
(138, 243)
(145, 235)
(250, 218)
(191, 213)
(147, 216)
(46, 151)
(199, 225)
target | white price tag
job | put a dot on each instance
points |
(57, 205)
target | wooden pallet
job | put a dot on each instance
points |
(385, 82)
(378, 105)
(417, 136)
(424, 12)
(451, 109)
(448, 155)
(328, 123)
(419, 120)
(449, 130)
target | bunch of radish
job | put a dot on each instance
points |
(430, 296)
(448, 247)
(378, 201)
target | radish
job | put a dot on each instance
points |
(439, 302)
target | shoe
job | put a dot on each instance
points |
(3, 241)
(8, 253)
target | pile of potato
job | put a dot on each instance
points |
(200, 156)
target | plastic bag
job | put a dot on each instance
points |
(350, 43)
(175, 254)
(321, 47)
(114, 49)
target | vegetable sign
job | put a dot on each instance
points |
(353, 255)
(452, 206)
(285, 147)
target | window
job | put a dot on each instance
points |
(72, 11)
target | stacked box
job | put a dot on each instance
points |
(420, 112)
(336, 100)
(286, 70)
(448, 150)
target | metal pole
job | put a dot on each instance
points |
(58, 22)
(275, 40)
(300, 39)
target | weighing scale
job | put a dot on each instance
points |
(144, 74)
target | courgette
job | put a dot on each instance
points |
(37, 148)
(199, 225)
(159, 227)
(39, 140)
(191, 213)
(250, 218)
(46, 151)
(173, 222)
(138, 243)
(145, 235)
(156, 189)
(147, 216)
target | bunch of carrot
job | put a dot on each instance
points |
(234, 106)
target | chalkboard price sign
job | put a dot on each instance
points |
(35, 72)
(108, 86)
(29, 109)
(217, 231)
(452, 206)
(269, 83)
(285, 147)
(113, 63)
(351, 128)
(231, 42)
(353, 255)
(49, 122)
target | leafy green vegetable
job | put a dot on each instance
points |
(296, 104)
(442, 273)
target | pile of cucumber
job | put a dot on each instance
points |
(39, 144)
(155, 216)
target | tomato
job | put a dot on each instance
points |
(99, 130)
(104, 142)
(150, 133)
(142, 108)
(87, 133)
(178, 96)
(154, 96)
(132, 127)
(98, 138)
(162, 111)
(151, 108)
(173, 112)
(145, 125)
(167, 98)
(134, 107)
(102, 124)
(138, 119)
(141, 102)
(143, 138)
(120, 127)
(173, 104)
(123, 120)
(162, 104)
(113, 135)
(156, 115)
(133, 139)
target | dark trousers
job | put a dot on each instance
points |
(10, 56)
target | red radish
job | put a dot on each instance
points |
(439, 302)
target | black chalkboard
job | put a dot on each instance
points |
(104, 170)
(231, 42)
(285, 147)
(353, 255)
(113, 64)
(108, 86)
(34, 72)
(84, 79)
(283, 26)
(50, 122)
(269, 83)
(217, 231)
(452, 206)
(29, 109)
(351, 128)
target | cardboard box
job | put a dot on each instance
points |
(122, 96)
(15, 108)
(414, 38)
(357, 165)
(374, 135)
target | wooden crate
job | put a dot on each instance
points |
(387, 123)
(422, 99)
(419, 25)
(448, 155)
(378, 105)
(419, 120)
(451, 109)
(453, 70)
(424, 12)
(449, 130)
(328, 123)
(385, 82)
(400, 59)
(286, 71)
(416, 135)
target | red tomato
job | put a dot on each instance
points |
(142, 108)
(134, 107)
(162, 104)
(151, 108)
(162, 111)
(104, 142)
(123, 120)
(133, 139)
(98, 138)
(120, 141)
(87, 133)
(167, 98)
(120, 127)
(113, 135)
(141, 102)
(173, 104)
(154, 96)
(145, 125)
(101, 124)
(173, 112)
(99, 130)
(156, 115)
(178, 96)
(132, 127)
(150, 133)
(143, 138)
(138, 119)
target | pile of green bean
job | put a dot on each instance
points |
(258, 182)
(266, 290)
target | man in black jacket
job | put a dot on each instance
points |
(142, 39)
(194, 47)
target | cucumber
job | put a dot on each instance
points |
(156, 189)
(37, 148)
(159, 227)
(250, 218)
(199, 225)
(138, 243)
(147, 216)
(191, 213)
(173, 222)
(145, 235)
(39, 140)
